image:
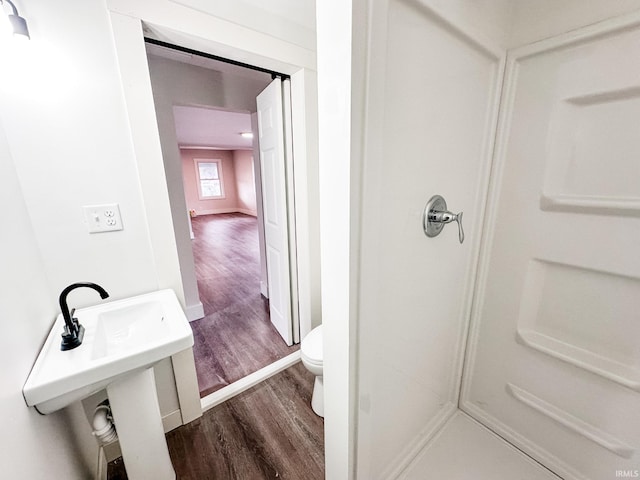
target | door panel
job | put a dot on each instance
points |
(274, 197)
(554, 358)
(291, 207)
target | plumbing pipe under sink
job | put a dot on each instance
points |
(103, 428)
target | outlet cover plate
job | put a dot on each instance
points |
(102, 218)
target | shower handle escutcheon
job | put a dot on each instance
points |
(436, 216)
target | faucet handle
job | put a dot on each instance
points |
(436, 216)
(460, 230)
(73, 328)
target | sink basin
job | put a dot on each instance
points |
(122, 341)
(120, 337)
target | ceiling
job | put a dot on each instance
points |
(208, 127)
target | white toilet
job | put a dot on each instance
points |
(311, 353)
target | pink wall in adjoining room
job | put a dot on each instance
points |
(245, 181)
(203, 207)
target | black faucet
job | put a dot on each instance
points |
(73, 331)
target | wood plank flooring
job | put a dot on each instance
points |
(235, 338)
(267, 432)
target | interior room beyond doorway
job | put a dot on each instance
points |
(210, 105)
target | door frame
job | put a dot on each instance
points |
(183, 26)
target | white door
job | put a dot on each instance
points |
(554, 358)
(274, 198)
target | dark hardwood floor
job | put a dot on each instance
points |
(267, 432)
(235, 338)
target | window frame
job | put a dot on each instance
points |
(218, 161)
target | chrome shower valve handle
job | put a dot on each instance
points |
(448, 217)
(436, 216)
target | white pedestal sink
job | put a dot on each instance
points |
(122, 341)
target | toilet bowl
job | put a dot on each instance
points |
(311, 354)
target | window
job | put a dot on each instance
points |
(209, 176)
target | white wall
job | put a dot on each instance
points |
(338, 227)
(186, 85)
(488, 20)
(65, 120)
(31, 445)
(293, 20)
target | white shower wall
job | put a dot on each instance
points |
(553, 361)
(433, 105)
(435, 72)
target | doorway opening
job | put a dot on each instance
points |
(206, 109)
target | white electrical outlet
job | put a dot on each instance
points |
(102, 218)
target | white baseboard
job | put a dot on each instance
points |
(194, 312)
(225, 393)
(111, 451)
(171, 421)
(215, 211)
(264, 290)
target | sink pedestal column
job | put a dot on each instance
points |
(136, 414)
